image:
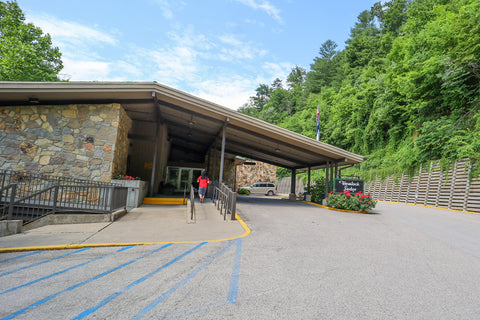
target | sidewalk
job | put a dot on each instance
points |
(147, 224)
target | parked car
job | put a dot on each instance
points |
(266, 188)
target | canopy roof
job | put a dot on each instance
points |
(192, 123)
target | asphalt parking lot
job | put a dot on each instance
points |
(300, 261)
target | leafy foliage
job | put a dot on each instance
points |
(244, 191)
(403, 92)
(317, 189)
(26, 54)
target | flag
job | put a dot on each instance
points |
(317, 116)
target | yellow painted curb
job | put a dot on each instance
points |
(425, 206)
(96, 245)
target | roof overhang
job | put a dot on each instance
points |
(192, 123)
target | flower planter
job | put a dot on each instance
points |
(137, 190)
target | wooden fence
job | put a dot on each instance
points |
(431, 187)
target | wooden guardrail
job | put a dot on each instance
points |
(450, 189)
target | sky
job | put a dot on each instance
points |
(218, 50)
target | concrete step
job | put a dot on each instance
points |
(165, 201)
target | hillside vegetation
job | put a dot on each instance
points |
(403, 91)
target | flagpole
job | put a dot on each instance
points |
(317, 116)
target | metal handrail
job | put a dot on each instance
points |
(61, 198)
(30, 182)
(225, 200)
(7, 197)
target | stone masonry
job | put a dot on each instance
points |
(259, 172)
(77, 141)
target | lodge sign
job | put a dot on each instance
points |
(351, 185)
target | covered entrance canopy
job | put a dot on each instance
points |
(194, 126)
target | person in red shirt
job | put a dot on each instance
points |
(203, 182)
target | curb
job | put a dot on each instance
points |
(425, 206)
(96, 245)
(329, 208)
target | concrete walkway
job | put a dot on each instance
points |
(147, 224)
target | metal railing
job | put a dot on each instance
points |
(29, 182)
(7, 197)
(30, 196)
(225, 200)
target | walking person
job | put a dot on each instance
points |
(203, 182)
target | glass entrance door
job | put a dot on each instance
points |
(181, 177)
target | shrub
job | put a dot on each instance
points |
(244, 191)
(347, 201)
(317, 189)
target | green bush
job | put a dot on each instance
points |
(244, 191)
(317, 189)
(347, 201)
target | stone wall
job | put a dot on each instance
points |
(259, 172)
(76, 141)
(124, 124)
(213, 169)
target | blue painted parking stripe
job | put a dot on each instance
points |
(36, 304)
(63, 271)
(179, 284)
(23, 255)
(140, 280)
(232, 295)
(42, 262)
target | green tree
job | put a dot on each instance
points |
(296, 77)
(324, 69)
(364, 42)
(403, 92)
(26, 54)
(391, 14)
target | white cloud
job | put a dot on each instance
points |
(277, 70)
(236, 49)
(166, 7)
(190, 61)
(173, 65)
(85, 70)
(266, 6)
(228, 92)
(71, 32)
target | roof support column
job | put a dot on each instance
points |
(332, 176)
(309, 177)
(328, 178)
(214, 156)
(293, 186)
(222, 156)
(155, 157)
